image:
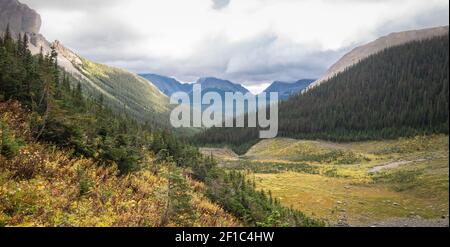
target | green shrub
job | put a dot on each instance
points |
(400, 180)
(9, 146)
(85, 183)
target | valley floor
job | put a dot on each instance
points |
(402, 182)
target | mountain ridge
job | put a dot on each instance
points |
(167, 85)
(364, 51)
(170, 85)
(213, 83)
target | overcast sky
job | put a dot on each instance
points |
(252, 42)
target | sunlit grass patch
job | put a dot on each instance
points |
(335, 198)
(417, 187)
(303, 151)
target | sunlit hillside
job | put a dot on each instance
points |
(126, 92)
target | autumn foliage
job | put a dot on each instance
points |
(44, 186)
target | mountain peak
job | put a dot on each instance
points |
(221, 84)
(20, 17)
(210, 80)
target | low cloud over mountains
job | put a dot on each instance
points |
(252, 41)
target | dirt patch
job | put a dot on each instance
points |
(392, 165)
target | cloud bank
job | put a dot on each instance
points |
(252, 42)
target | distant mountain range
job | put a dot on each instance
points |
(220, 86)
(169, 86)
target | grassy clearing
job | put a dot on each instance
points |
(332, 199)
(302, 151)
(331, 181)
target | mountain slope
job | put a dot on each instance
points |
(122, 91)
(401, 91)
(51, 179)
(287, 89)
(167, 85)
(391, 40)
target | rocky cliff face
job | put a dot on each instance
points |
(362, 52)
(19, 17)
(23, 19)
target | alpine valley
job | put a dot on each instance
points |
(87, 144)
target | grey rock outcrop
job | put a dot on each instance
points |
(20, 17)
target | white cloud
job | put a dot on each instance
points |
(249, 41)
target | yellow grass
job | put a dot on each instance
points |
(334, 198)
(345, 190)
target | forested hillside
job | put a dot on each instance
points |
(68, 160)
(43, 185)
(401, 91)
(120, 90)
(126, 92)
